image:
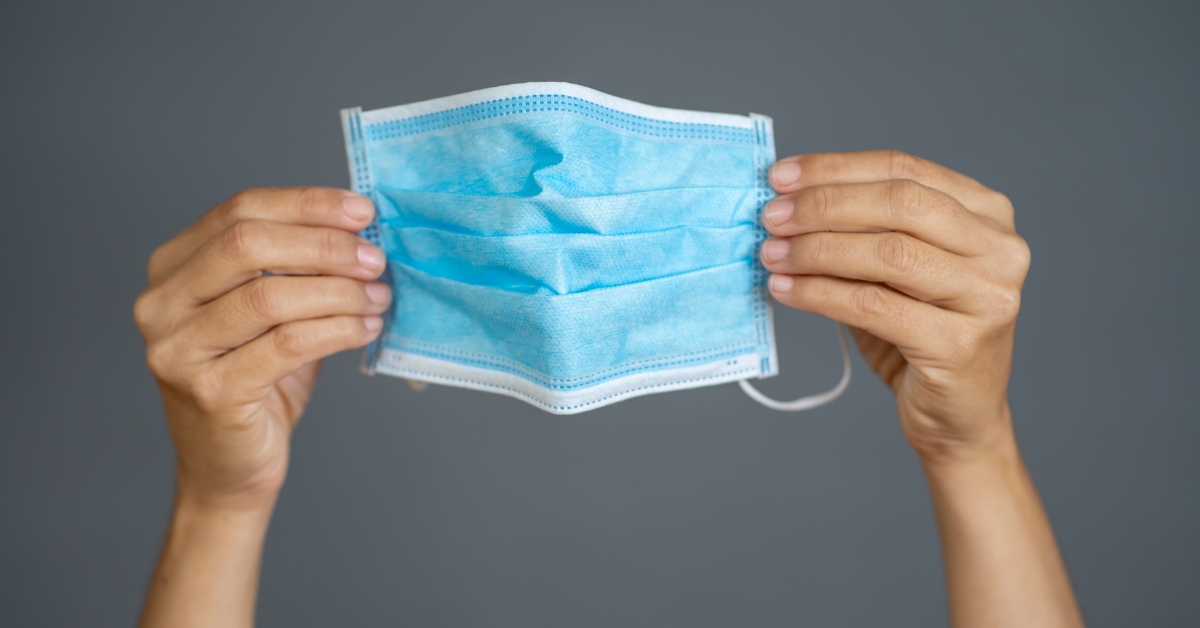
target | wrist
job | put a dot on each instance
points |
(1002, 562)
(195, 500)
(207, 572)
(976, 487)
(949, 442)
(976, 470)
(193, 515)
(197, 492)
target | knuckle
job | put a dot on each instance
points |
(333, 247)
(900, 254)
(820, 202)
(1012, 258)
(207, 390)
(1019, 254)
(145, 309)
(870, 301)
(292, 341)
(1003, 204)
(818, 252)
(1003, 304)
(901, 165)
(313, 201)
(245, 239)
(241, 205)
(160, 357)
(157, 261)
(831, 164)
(263, 299)
(907, 200)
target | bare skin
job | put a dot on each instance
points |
(236, 355)
(925, 266)
(923, 263)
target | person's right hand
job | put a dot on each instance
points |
(235, 351)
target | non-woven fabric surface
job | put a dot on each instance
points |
(565, 247)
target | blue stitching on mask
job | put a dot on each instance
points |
(762, 166)
(363, 184)
(629, 122)
(556, 102)
(361, 165)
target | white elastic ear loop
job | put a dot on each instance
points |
(812, 401)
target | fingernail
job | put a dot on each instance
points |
(373, 323)
(357, 207)
(781, 283)
(775, 249)
(785, 173)
(370, 256)
(778, 211)
(378, 292)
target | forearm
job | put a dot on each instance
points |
(1003, 566)
(207, 573)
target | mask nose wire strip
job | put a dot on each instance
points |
(812, 401)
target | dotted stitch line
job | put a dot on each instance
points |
(555, 102)
(363, 184)
(550, 102)
(764, 194)
(539, 402)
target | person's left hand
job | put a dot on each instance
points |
(925, 266)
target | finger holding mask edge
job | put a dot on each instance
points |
(900, 261)
(924, 276)
(247, 249)
(309, 206)
(793, 173)
(248, 311)
(926, 266)
(221, 335)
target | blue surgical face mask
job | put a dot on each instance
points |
(570, 249)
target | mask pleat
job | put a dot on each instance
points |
(576, 340)
(566, 247)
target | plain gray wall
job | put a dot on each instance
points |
(124, 122)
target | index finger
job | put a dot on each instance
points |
(307, 206)
(794, 173)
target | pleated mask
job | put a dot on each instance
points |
(568, 248)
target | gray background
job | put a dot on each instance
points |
(121, 123)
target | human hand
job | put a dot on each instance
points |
(926, 268)
(236, 352)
